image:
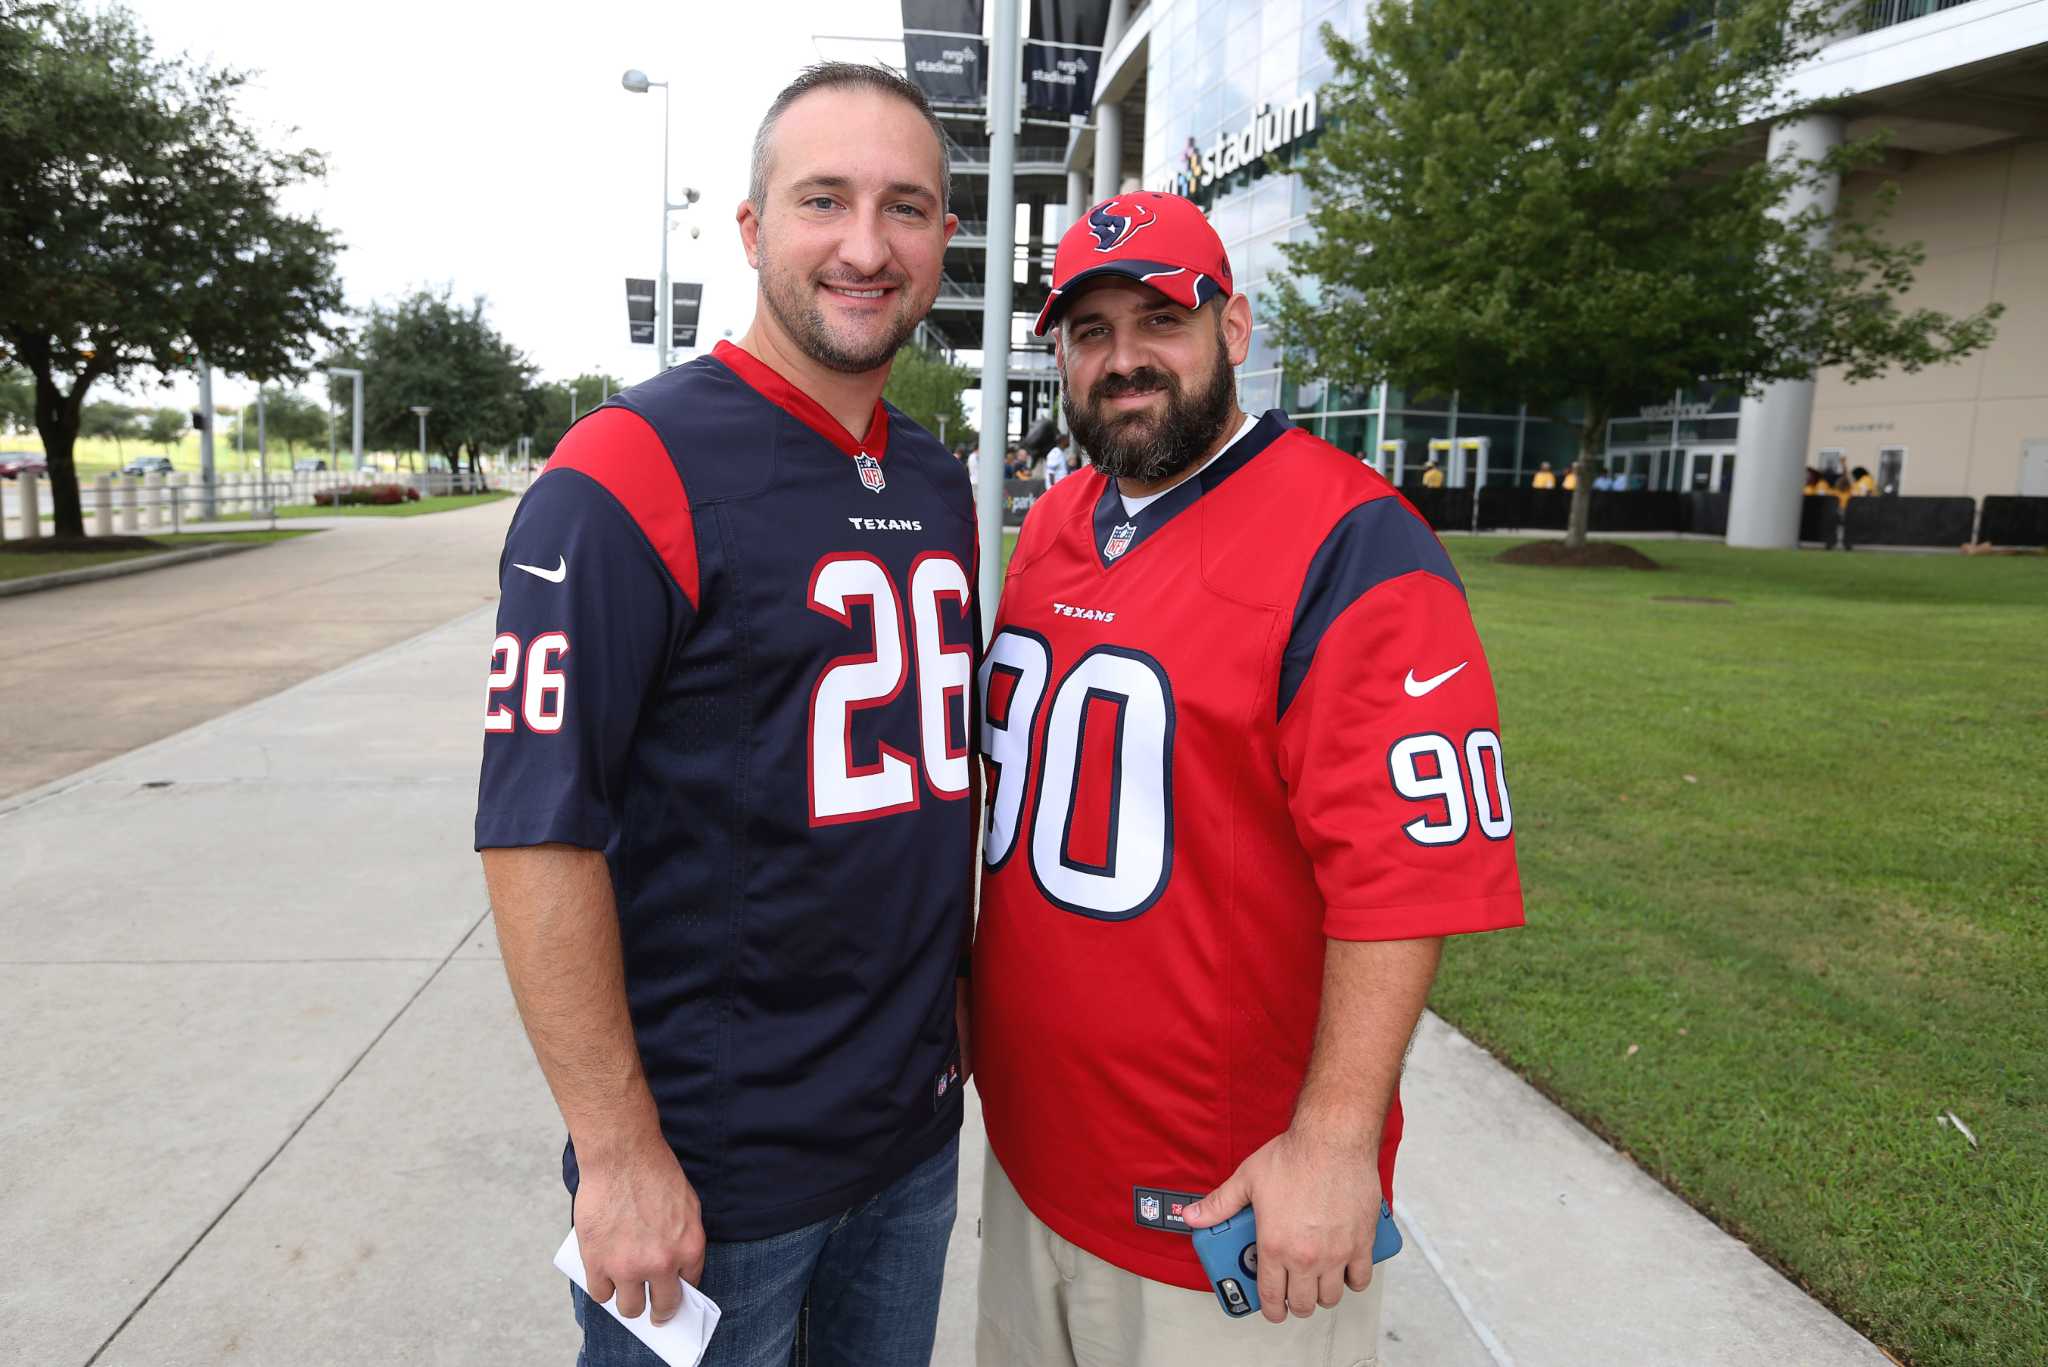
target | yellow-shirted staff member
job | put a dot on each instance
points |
(1862, 484)
(1544, 478)
(1432, 476)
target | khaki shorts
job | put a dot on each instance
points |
(1046, 1303)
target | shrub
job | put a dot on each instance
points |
(367, 495)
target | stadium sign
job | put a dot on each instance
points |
(1271, 129)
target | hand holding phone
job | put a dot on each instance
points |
(1230, 1257)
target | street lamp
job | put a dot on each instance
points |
(421, 410)
(637, 82)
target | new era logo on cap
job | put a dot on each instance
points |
(1162, 240)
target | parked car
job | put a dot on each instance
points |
(308, 466)
(148, 465)
(13, 463)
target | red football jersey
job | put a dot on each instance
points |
(1252, 716)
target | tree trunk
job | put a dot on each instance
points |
(1592, 446)
(57, 417)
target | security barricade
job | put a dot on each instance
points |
(2010, 520)
(1446, 509)
(1910, 521)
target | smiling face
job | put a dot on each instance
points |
(851, 227)
(1148, 383)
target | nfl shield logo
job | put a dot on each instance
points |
(870, 472)
(1119, 540)
(1148, 1207)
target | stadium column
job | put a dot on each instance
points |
(1772, 437)
(1109, 114)
(1077, 198)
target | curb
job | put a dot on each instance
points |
(114, 570)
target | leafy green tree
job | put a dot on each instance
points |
(167, 427)
(141, 224)
(550, 403)
(17, 400)
(427, 350)
(294, 419)
(927, 388)
(115, 420)
(1562, 201)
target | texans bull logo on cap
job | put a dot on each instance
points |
(1114, 223)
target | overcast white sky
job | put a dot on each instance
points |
(491, 147)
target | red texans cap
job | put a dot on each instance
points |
(1161, 240)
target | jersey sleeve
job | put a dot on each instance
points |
(1389, 738)
(597, 588)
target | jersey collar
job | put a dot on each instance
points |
(1113, 525)
(759, 376)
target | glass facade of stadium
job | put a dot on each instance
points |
(1189, 88)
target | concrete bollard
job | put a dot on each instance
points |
(153, 496)
(124, 498)
(174, 500)
(103, 506)
(30, 490)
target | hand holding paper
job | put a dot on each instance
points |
(679, 1343)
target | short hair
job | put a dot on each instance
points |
(845, 76)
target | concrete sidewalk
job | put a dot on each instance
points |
(268, 1100)
(113, 665)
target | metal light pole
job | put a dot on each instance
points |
(421, 411)
(1005, 71)
(356, 436)
(206, 499)
(637, 82)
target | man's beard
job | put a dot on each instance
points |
(1147, 449)
(796, 308)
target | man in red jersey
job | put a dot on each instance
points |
(1245, 775)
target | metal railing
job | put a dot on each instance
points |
(130, 506)
(1879, 14)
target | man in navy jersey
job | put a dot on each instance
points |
(726, 811)
(1245, 776)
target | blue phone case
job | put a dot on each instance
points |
(1230, 1257)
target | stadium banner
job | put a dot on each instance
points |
(640, 311)
(1064, 55)
(944, 52)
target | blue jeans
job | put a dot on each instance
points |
(862, 1286)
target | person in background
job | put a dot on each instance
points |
(1571, 478)
(1057, 458)
(1861, 484)
(1816, 482)
(1602, 482)
(1545, 477)
(1432, 476)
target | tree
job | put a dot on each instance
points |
(115, 420)
(427, 350)
(294, 419)
(1562, 201)
(142, 223)
(548, 406)
(927, 388)
(168, 426)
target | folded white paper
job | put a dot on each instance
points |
(679, 1343)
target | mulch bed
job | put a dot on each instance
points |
(1593, 555)
(85, 543)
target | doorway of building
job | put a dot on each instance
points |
(1709, 471)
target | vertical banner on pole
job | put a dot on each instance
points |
(687, 300)
(640, 311)
(1064, 55)
(944, 52)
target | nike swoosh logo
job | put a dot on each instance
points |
(1417, 687)
(553, 576)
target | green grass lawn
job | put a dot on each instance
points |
(15, 564)
(1792, 852)
(439, 503)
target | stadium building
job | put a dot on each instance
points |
(1193, 94)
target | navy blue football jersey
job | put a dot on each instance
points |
(736, 650)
